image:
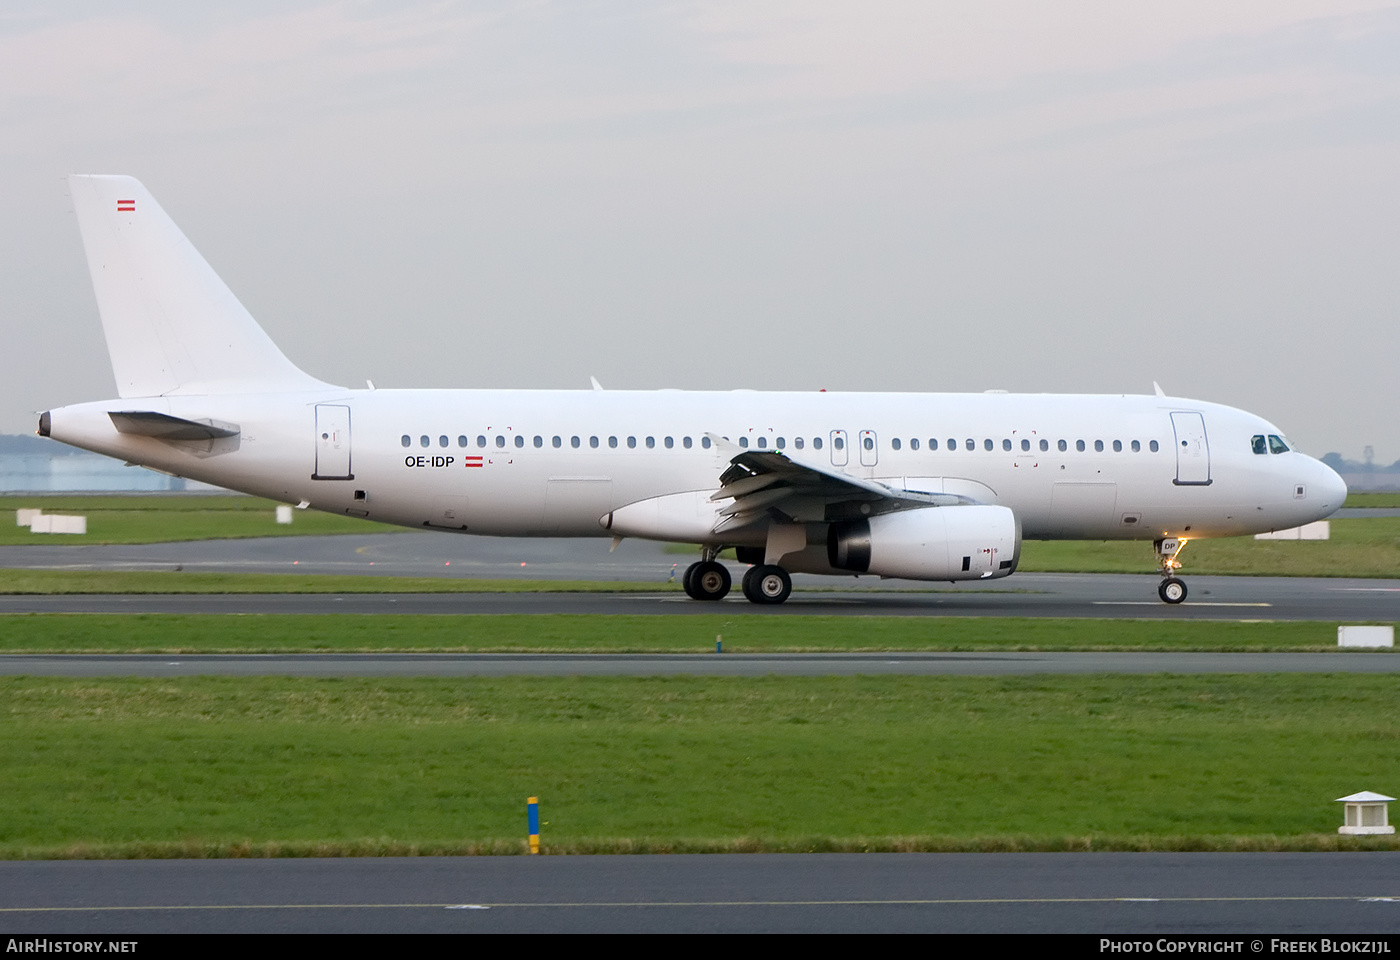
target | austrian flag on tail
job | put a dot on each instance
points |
(126, 206)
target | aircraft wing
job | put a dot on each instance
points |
(767, 483)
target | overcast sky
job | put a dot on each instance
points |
(942, 196)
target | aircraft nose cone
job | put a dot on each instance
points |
(1331, 488)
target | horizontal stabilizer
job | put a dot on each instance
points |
(162, 426)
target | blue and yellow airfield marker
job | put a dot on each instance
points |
(532, 807)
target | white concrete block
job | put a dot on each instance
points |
(1365, 636)
(24, 517)
(284, 513)
(58, 523)
(1317, 530)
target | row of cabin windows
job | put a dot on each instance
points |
(1044, 445)
(780, 443)
(556, 442)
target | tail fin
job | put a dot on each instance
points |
(172, 326)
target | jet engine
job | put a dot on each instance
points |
(972, 542)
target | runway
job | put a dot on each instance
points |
(1028, 595)
(693, 665)
(1087, 893)
(447, 556)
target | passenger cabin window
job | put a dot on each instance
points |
(1137, 447)
(763, 443)
(986, 444)
(593, 442)
(1276, 444)
(612, 442)
(1118, 446)
(1257, 444)
(971, 444)
(631, 443)
(500, 440)
(539, 441)
(744, 443)
(894, 444)
(461, 441)
(1098, 446)
(816, 443)
(705, 442)
(797, 442)
(1079, 445)
(442, 440)
(1152, 445)
(914, 443)
(520, 440)
(574, 442)
(1006, 445)
(670, 442)
(1025, 446)
(780, 443)
(1044, 446)
(651, 443)
(868, 443)
(686, 443)
(838, 442)
(423, 441)
(406, 440)
(1063, 446)
(558, 442)
(480, 441)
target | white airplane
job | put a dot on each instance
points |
(909, 485)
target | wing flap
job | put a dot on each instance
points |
(767, 483)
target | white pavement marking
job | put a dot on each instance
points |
(1154, 603)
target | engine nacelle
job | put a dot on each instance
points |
(971, 542)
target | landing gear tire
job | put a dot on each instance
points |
(767, 584)
(1172, 590)
(706, 580)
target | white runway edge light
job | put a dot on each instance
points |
(1366, 813)
(1359, 636)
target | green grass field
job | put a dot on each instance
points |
(597, 633)
(1357, 548)
(161, 519)
(268, 766)
(1372, 500)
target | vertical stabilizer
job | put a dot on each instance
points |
(172, 326)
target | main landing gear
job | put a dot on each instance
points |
(706, 580)
(763, 583)
(1172, 589)
(767, 583)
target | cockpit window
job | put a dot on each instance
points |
(1256, 443)
(1276, 444)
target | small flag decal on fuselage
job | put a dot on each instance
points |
(126, 206)
(473, 461)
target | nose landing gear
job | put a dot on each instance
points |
(1172, 589)
(708, 579)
